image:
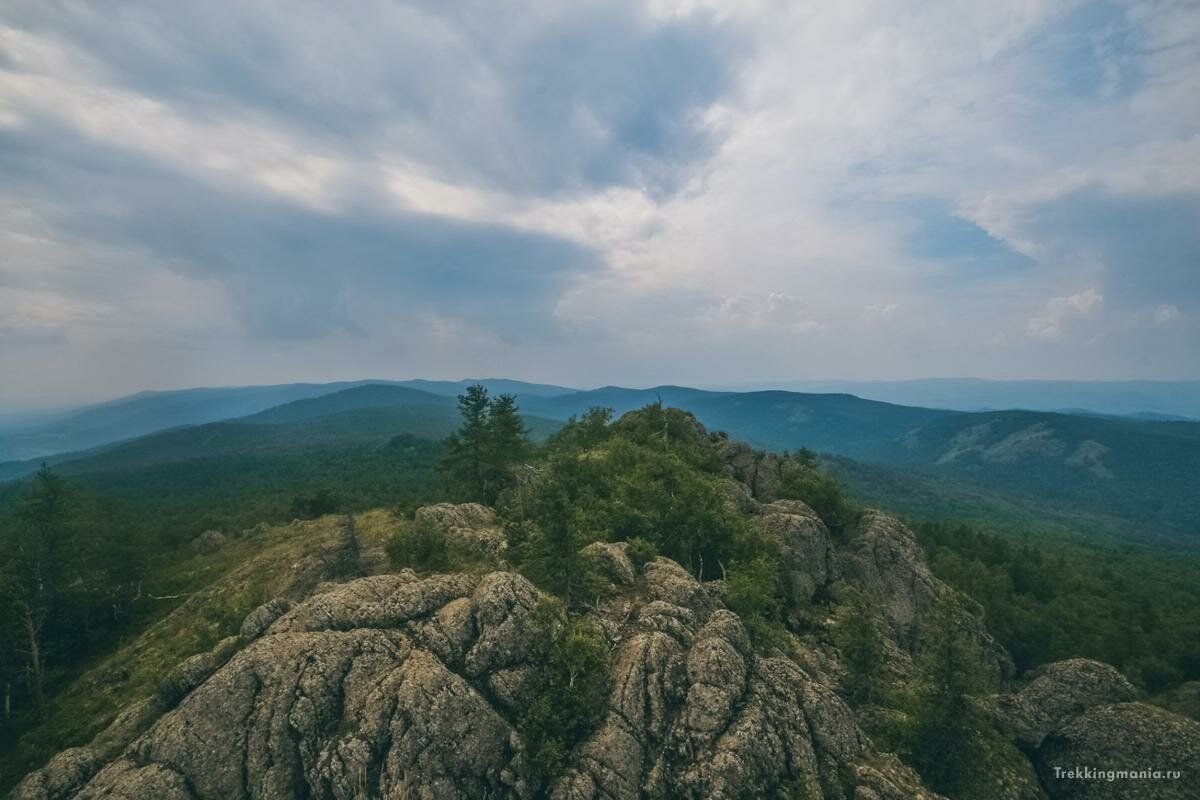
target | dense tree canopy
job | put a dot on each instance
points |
(83, 558)
(481, 453)
(72, 569)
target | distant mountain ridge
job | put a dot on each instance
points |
(1135, 477)
(372, 395)
(147, 412)
(1153, 399)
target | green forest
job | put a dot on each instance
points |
(91, 561)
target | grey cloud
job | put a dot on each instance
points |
(1147, 246)
(279, 141)
(528, 98)
(292, 271)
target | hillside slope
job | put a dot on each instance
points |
(148, 412)
(232, 475)
(354, 399)
(353, 681)
(1141, 476)
(1125, 398)
(1130, 478)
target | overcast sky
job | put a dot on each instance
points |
(218, 193)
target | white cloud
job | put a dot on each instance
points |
(1060, 312)
(775, 311)
(879, 312)
(1166, 314)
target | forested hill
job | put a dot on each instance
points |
(143, 413)
(1125, 477)
(632, 607)
(360, 397)
(1131, 477)
(47, 433)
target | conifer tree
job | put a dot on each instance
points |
(861, 647)
(490, 440)
(467, 448)
(506, 444)
(35, 582)
(952, 737)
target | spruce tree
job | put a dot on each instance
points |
(507, 443)
(861, 646)
(951, 737)
(35, 582)
(467, 448)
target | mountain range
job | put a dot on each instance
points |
(44, 434)
(1124, 476)
(35, 434)
(1147, 399)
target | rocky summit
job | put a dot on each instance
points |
(364, 682)
(397, 685)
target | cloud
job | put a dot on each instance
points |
(596, 192)
(1166, 314)
(531, 99)
(1060, 312)
(775, 311)
(879, 312)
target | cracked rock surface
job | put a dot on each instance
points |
(408, 686)
(398, 685)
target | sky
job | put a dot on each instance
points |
(672, 191)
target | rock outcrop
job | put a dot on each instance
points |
(415, 686)
(760, 472)
(406, 686)
(806, 546)
(884, 561)
(1087, 737)
(208, 542)
(470, 526)
(1122, 751)
(694, 713)
(1058, 692)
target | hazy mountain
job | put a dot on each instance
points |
(146, 412)
(1170, 398)
(367, 425)
(1139, 475)
(359, 397)
(493, 385)
(32, 435)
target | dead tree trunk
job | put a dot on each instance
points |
(36, 670)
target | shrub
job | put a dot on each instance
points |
(317, 504)
(571, 689)
(752, 592)
(641, 551)
(803, 481)
(420, 545)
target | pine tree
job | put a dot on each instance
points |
(951, 736)
(490, 440)
(551, 555)
(861, 646)
(467, 448)
(35, 581)
(507, 443)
